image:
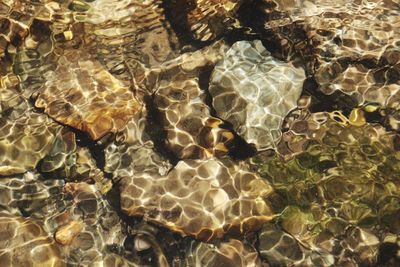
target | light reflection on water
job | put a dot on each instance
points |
(200, 133)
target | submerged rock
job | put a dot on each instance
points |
(86, 226)
(133, 152)
(200, 198)
(129, 36)
(335, 197)
(66, 233)
(191, 131)
(365, 68)
(25, 141)
(82, 222)
(233, 253)
(25, 243)
(27, 193)
(278, 247)
(118, 120)
(82, 94)
(254, 92)
(66, 159)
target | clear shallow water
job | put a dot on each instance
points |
(199, 133)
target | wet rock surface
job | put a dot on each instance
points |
(199, 133)
(255, 92)
(204, 199)
(25, 242)
(80, 93)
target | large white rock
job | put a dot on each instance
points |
(254, 91)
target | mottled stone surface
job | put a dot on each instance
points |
(254, 92)
(25, 141)
(27, 193)
(332, 195)
(25, 243)
(199, 133)
(362, 60)
(192, 132)
(204, 199)
(75, 214)
(133, 153)
(82, 94)
(83, 224)
(231, 254)
(280, 248)
(354, 45)
(75, 163)
(129, 36)
(13, 104)
(204, 20)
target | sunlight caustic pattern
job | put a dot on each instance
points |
(199, 133)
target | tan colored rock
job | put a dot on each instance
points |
(82, 94)
(66, 233)
(192, 133)
(204, 199)
(24, 242)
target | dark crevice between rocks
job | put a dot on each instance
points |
(250, 10)
(246, 14)
(113, 197)
(239, 149)
(240, 34)
(383, 116)
(176, 12)
(321, 102)
(173, 24)
(287, 42)
(22, 208)
(83, 140)
(345, 103)
(156, 131)
(257, 246)
(40, 30)
(127, 250)
(374, 117)
(6, 62)
(387, 255)
(204, 84)
(96, 149)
